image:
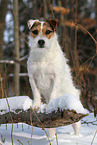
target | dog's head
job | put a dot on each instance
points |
(42, 33)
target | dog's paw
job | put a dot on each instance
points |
(36, 105)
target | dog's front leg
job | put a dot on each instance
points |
(56, 88)
(36, 94)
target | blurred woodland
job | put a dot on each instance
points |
(77, 31)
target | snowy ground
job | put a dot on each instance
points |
(22, 134)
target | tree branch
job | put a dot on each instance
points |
(53, 119)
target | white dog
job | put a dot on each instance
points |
(49, 73)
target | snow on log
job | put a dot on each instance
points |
(61, 111)
(53, 119)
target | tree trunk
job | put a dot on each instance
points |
(94, 98)
(75, 46)
(45, 8)
(16, 39)
(72, 39)
(65, 36)
(96, 52)
(3, 10)
(54, 119)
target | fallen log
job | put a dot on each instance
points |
(32, 117)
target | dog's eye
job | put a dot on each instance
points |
(35, 32)
(48, 31)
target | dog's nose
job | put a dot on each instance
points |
(41, 43)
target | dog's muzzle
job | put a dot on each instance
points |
(41, 43)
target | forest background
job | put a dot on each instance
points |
(77, 31)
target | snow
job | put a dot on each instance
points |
(23, 133)
(67, 101)
(27, 135)
(17, 102)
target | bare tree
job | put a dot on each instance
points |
(45, 8)
(96, 50)
(16, 39)
(3, 10)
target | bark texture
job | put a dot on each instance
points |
(17, 45)
(3, 10)
(51, 120)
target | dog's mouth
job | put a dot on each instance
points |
(41, 46)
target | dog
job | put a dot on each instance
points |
(48, 69)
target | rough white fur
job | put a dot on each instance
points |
(48, 67)
(49, 73)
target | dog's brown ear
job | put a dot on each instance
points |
(53, 23)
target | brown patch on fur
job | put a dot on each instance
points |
(52, 22)
(46, 28)
(36, 27)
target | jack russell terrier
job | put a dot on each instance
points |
(49, 73)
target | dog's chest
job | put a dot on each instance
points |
(43, 75)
